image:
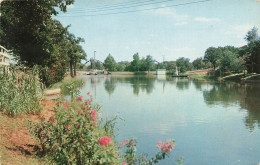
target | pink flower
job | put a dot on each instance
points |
(104, 141)
(164, 146)
(79, 98)
(159, 143)
(51, 118)
(76, 125)
(79, 112)
(63, 102)
(42, 118)
(126, 141)
(122, 144)
(93, 114)
(168, 150)
(124, 163)
(86, 102)
(132, 143)
(66, 106)
(88, 93)
(94, 123)
(67, 127)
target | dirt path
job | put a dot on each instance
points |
(16, 144)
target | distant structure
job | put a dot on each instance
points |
(160, 71)
(4, 57)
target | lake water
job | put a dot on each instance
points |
(212, 123)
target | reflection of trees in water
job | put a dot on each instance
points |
(246, 96)
(139, 83)
(110, 85)
(182, 83)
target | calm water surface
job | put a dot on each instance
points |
(212, 123)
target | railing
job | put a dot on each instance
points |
(4, 58)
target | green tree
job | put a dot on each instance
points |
(199, 63)
(75, 52)
(212, 55)
(183, 64)
(252, 35)
(28, 30)
(252, 51)
(148, 63)
(136, 63)
(122, 66)
(110, 63)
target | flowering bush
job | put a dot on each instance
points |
(130, 154)
(73, 135)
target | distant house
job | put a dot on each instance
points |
(4, 57)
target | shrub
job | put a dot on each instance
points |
(20, 92)
(53, 74)
(73, 136)
(130, 157)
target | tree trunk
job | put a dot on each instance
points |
(75, 73)
(71, 70)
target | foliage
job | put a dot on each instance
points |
(199, 63)
(183, 64)
(252, 56)
(20, 92)
(130, 157)
(122, 66)
(148, 63)
(110, 63)
(73, 136)
(29, 31)
(252, 35)
(212, 55)
(75, 52)
(136, 63)
(227, 61)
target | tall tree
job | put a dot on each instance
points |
(252, 51)
(149, 63)
(110, 63)
(252, 35)
(212, 55)
(28, 30)
(198, 63)
(136, 63)
(75, 52)
(183, 64)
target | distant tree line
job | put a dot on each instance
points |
(223, 59)
(231, 59)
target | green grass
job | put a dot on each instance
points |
(66, 81)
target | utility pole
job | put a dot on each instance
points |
(94, 59)
(163, 58)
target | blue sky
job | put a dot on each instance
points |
(172, 32)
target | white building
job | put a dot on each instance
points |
(160, 71)
(4, 57)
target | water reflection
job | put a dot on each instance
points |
(247, 96)
(227, 94)
(140, 83)
(110, 85)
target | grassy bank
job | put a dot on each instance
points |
(66, 81)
